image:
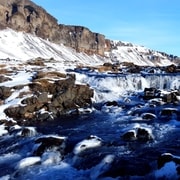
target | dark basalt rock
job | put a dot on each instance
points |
(148, 116)
(129, 136)
(149, 93)
(169, 113)
(65, 96)
(143, 135)
(5, 92)
(50, 142)
(163, 159)
(111, 103)
(28, 132)
(140, 134)
(26, 16)
(4, 78)
(167, 157)
(171, 97)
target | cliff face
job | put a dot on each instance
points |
(24, 15)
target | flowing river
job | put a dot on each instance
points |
(98, 145)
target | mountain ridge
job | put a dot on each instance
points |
(26, 16)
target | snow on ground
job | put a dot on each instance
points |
(3, 130)
(21, 77)
(23, 46)
(139, 55)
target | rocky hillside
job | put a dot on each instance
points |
(24, 15)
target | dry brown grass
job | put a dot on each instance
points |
(104, 68)
(43, 82)
(2, 65)
(4, 71)
(37, 62)
(52, 74)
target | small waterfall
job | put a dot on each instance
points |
(165, 82)
(110, 87)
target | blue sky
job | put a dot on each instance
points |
(151, 23)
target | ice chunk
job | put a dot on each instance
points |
(91, 142)
(29, 161)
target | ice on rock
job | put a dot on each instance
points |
(29, 161)
(3, 131)
(28, 132)
(91, 142)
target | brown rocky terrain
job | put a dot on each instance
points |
(47, 95)
(24, 15)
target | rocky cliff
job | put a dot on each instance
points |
(24, 15)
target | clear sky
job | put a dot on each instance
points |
(151, 23)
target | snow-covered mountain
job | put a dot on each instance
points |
(88, 47)
(24, 46)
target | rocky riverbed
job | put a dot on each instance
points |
(100, 122)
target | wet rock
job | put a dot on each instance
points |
(171, 97)
(88, 152)
(45, 116)
(111, 103)
(167, 157)
(143, 134)
(149, 93)
(164, 158)
(28, 132)
(169, 113)
(90, 142)
(148, 116)
(140, 134)
(50, 142)
(129, 136)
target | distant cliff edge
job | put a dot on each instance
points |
(24, 15)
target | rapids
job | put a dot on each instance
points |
(95, 146)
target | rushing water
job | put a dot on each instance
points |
(111, 86)
(114, 157)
